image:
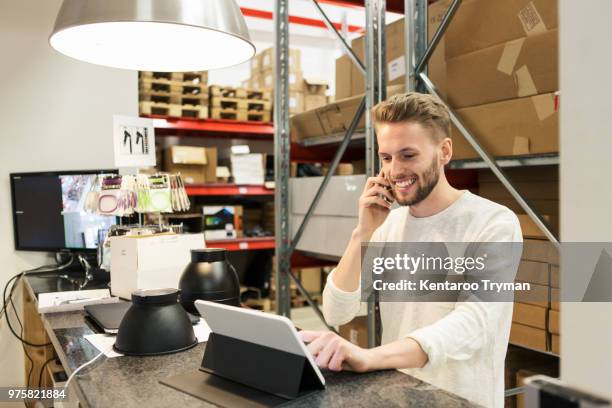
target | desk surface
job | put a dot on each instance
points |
(134, 381)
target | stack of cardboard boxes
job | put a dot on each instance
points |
(197, 165)
(539, 186)
(336, 117)
(502, 76)
(303, 93)
(535, 321)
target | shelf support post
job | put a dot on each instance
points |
(282, 156)
(376, 83)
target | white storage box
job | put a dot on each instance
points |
(330, 227)
(150, 262)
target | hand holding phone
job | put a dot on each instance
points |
(375, 203)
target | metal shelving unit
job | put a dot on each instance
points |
(418, 52)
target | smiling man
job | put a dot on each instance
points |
(458, 346)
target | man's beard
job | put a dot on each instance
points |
(430, 179)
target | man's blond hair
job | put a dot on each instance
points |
(416, 107)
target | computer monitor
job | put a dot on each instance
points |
(48, 211)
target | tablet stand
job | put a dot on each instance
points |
(264, 368)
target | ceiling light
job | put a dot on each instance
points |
(153, 35)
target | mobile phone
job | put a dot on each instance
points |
(384, 197)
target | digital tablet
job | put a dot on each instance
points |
(264, 329)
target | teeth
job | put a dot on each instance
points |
(405, 183)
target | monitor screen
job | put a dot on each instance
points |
(48, 211)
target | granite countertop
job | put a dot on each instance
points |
(134, 381)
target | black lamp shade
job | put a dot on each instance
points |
(209, 276)
(155, 324)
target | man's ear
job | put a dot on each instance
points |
(446, 150)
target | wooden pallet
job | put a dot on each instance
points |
(260, 94)
(226, 113)
(223, 102)
(258, 116)
(227, 92)
(163, 85)
(173, 110)
(200, 77)
(258, 105)
(174, 98)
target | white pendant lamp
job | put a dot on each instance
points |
(153, 35)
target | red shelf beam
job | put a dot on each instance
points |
(242, 244)
(226, 189)
(165, 126)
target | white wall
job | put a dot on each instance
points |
(586, 196)
(55, 114)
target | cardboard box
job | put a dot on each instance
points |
(537, 295)
(518, 68)
(514, 127)
(533, 272)
(395, 64)
(555, 277)
(314, 101)
(522, 174)
(265, 60)
(314, 86)
(296, 102)
(340, 190)
(222, 222)
(555, 344)
(532, 190)
(311, 280)
(528, 336)
(266, 80)
(196, 164)
(478, 24)
(356, 331)
(531, 230)
(333, 222)
(305, 125)
(331, 119)
(529, 315)
(150, 262)
(555, 298)
(540, 251)
(344, 70)
(553, 322)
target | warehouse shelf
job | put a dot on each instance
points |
(509, 161)
(227, 189)
(550, 353)
(166, 126)
(332, 139)
(242, 244)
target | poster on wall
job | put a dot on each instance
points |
(133, 141)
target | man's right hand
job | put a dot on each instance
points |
(373, 208)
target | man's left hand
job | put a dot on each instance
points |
(334, 353)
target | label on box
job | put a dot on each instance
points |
(292, 78)
(292, 102)
(396, 68)
(268, 80)
(531, 20)
(266, 60)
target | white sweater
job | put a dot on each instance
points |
(466, 342)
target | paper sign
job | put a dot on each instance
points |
(133, 141)
(397, 68)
